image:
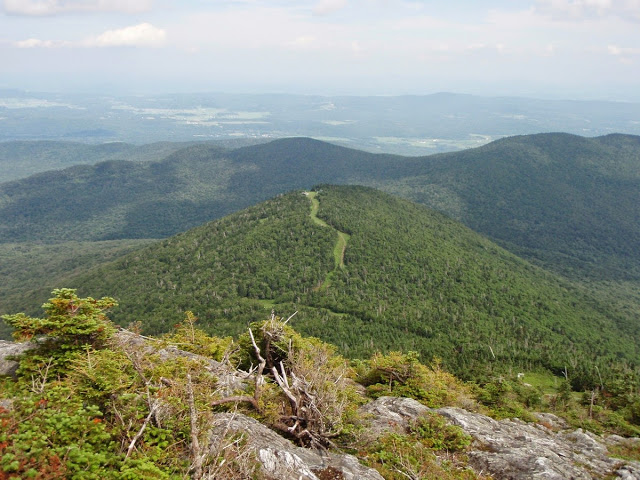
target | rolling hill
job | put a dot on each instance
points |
(404, 277)
(19, 159)
(569, 203)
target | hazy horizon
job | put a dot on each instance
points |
(548, 49)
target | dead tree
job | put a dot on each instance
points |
(311, 380)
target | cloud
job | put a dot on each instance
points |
(142, 35)
(325, 7)
(582, 9)
(35, 43)
(622, 53)
(54, 7)
(303, 43)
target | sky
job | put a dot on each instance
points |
(575, 49)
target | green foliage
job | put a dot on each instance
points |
(505, 398)
(55, 436)
(412, 280)
(21, 159)
(191, 339)
(401, 374)
(123, 412)
(72, 325)
(568, 202)
(100, 376)
(414, 454)
(29, 271)
(434, 432)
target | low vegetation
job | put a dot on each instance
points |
(89, 403)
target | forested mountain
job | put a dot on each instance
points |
(571, 202)
(568, 202)
(19, 159)
(369, 272)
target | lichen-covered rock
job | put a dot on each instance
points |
(390, 414)
(515, 450)
(11, 349)
(280, 459)
(229, 380)
(551, 421)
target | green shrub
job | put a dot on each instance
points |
(402, 374)
(55, 435)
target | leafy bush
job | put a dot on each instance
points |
(402, 374)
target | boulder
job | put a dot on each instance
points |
(390, 414)
(515, 450)
(280, 458)
(8, 350)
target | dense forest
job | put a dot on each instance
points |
(569, 203)
(426, 297)
(408, 278)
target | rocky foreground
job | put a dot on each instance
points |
(506, 449)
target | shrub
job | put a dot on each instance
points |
(402, 374)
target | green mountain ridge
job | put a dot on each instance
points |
(20, 159)
(412, 279)
(569, 203)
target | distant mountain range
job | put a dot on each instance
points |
(569, 203)
(407, 125)
(19, 159)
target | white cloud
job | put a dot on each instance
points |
(35, 43)
(582, 9)
(303, 43)
(614, 50)
(624, 55)
(618, 51)
(54, 7)
(142, 35)
(325, 7)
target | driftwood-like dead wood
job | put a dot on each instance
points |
(257, 386)
(304, 411)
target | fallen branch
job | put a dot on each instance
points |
(142, 429)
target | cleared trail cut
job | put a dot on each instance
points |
(341, 243)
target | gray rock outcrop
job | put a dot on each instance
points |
(281, 459)
(390, 414)
(515, 450)
(11, 349)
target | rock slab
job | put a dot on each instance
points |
(281, 459)
(515, 450)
